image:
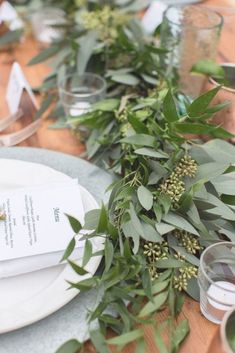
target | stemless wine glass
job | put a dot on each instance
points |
(191, 34)
(227, 332)
(225, 49)
(216, 279)
(79, 92)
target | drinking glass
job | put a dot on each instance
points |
(227, 332)
(216, 279)
(190, 33)
(226, 53)
(79, 92)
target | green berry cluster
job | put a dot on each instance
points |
(122, 117)
(186, 167)
(174, 186)
(124, 129)
(188, 272)
(187, 240)
(179, 256)
(105, 21)
(154, 252)
(180, 282)
(153, 272)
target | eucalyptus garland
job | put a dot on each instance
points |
(172, 198)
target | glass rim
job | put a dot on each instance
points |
(202, 264)
(82, 95)
(220, 17)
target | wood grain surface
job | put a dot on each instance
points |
(203, 337)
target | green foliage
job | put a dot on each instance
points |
(153, 243)
(10, 37)
(172, 196)
(208, 68)
(72, 346)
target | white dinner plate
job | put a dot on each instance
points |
(31, 297)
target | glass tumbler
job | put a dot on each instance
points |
(190, 33)
(227, 332)
(79, 92)
(226, 52)
(216, 279)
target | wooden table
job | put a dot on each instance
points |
(204, 335)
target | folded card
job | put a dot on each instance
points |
(16, 86)
(36, 221)
(9, 14)
(153, 16)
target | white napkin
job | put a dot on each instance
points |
(10, 268)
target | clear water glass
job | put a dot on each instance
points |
(190, 33)
(227, 332)
(216, 279)
(226, 53)
(79, 92)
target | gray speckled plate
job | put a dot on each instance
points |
(70, 321)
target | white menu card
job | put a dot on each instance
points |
(36, 221)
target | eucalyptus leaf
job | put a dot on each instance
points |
(169, 108)
(180, 222)
(92, 219)
(126, 337)
(159, 341)
(86, 47)
(151, 153)
(140, 139)
(108, 254)
(153, 305)
(72, 346)
(87, 253)
(45, 54)
(198, 106)
(98, 340)
(150, 234)
(78, 269)
(74, 223)
(69, 249)
(193, 289)
(209, 68)
(164, 228)
(145, 197)
(107, 105)
(10, 37)
(180, 334)
(126, 79)
(168, 263)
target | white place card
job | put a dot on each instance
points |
(9, 14)
(153, 16)
(36, 221)
(16, 85)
